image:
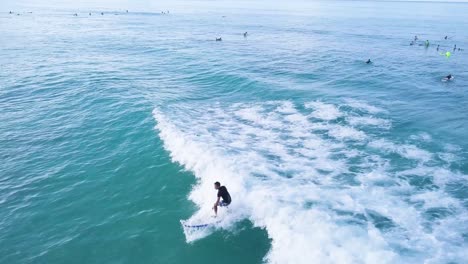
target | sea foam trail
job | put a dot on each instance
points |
(323, 189)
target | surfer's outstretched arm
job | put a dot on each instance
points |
(215, 206)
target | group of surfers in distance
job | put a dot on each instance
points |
(220, 39)
(102, 13)
(427, 44)
(447, 54)
(412, 43)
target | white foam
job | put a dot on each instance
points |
(320, 199)
(423, 136)
(405, 150)
(323, 111)
(363, 106)
(368, 121)
(344, 132)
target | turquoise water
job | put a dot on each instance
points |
(113, 129)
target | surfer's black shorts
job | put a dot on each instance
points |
(223, 203)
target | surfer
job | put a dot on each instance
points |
(245, 34)
(222, 193)
(219, 39)
(448, 77)
(368, 61)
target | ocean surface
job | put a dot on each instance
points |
(114, 127)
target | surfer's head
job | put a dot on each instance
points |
(217, 185)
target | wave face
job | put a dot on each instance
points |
(326, 181)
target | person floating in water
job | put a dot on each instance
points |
(446, 37)
(415, 38)
(245, 34)
(222, 193)
(102, 13)
(449, 77)
(455, 47)
(412, 43)
(11, 12)
(368, 61)
(427, 43)
(219, 39)
(75, 14)
(438, 47)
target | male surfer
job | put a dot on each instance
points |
(448, 77)
(222, 193)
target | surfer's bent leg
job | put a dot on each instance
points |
(215, 208)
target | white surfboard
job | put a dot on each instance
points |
(448, 80)
(186, 224)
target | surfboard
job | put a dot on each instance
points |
(199, 225)
(448, 80)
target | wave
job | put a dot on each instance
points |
(321, 180)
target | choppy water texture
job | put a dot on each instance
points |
(113, 128)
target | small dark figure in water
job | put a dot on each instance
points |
(438, 47)
(102, 13)
(89, 13)
(449, 77)
(427, 43)
(412, 43)
(127, 11)
(459, 49)
(11, 12)
(446, 37)
(219, 39)
(455, 47)
(245, 34)
(415, 38)
(368, 61)
(75, 14)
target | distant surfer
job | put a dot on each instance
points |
(222, 193)
(219, 39)
(448, 77)
(438, 47)
(415, 38)
(245, 34)
(455, 47)
(427, 43)
(368, 61)
(446, 37)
